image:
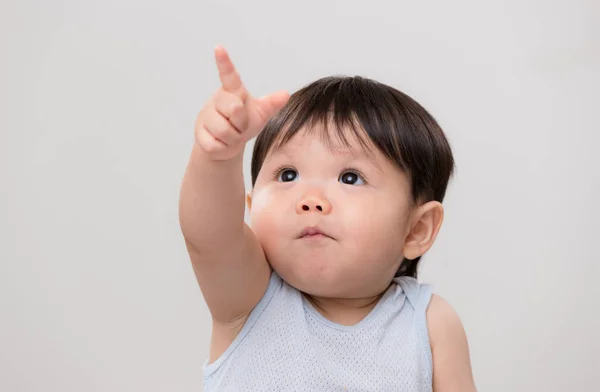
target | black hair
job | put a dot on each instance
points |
(392, 121)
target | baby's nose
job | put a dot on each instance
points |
(313, 204)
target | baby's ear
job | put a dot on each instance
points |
(249, 200)
(425, 226)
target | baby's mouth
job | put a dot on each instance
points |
(313, 232)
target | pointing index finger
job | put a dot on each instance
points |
(230, 78)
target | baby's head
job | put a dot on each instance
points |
(364, 165)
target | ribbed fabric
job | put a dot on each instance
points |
(287, 345)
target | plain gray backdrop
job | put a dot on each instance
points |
(98, 102)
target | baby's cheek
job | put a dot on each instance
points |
(376, 226)
(262, 205)
(260, 200)
(365, 218)
(264, 218)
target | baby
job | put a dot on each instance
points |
(348, 177)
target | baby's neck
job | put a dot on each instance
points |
(344, 311)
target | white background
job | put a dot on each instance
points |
(97, 105)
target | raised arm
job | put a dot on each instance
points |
(228, 261)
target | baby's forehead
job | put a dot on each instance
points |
(339, 142)
(350, 149)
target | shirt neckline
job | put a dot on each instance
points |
(309, 308)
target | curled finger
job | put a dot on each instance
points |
(221, 129)
(208, 142)
(233, 109)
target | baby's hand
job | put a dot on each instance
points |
(233, 116)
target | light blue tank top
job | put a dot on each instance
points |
(287, 345)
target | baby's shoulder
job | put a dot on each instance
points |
(449, 347)
(441, 315)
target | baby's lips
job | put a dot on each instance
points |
(313, 230)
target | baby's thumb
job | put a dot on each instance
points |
(272, 103)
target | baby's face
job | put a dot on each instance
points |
(332, 222)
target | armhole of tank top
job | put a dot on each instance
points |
(422, 303)
(274, 284)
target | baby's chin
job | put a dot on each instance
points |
(328, 281)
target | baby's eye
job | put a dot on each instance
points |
(351, 178)
(287, 175)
